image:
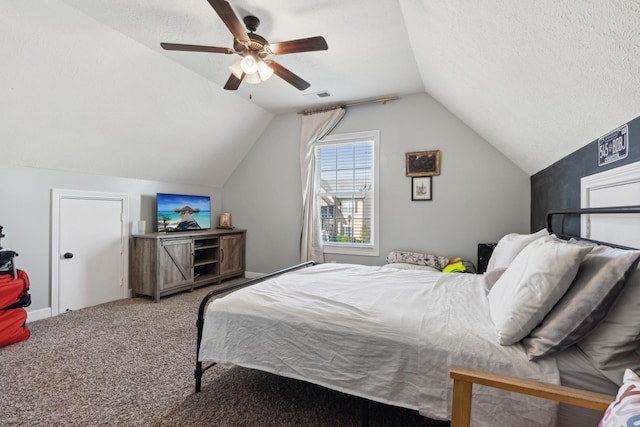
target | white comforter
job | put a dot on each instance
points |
(381, 333)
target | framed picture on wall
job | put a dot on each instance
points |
(421, 188)
(423, 163)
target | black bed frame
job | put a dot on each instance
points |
(199, 371)
(586, 211)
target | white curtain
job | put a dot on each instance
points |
(314, 127)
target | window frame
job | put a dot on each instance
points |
(344, 248)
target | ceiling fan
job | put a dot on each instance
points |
(253, 49)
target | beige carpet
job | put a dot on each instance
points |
(131, 362)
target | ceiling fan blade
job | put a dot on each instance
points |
(196, 48)
(225, 12)
(233, 83)
(301, 45)
(287, 75)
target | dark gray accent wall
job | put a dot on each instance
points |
(558, 186)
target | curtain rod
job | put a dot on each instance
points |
(351, 104)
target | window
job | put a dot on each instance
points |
(347, 193)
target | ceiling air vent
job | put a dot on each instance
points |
(321, 94)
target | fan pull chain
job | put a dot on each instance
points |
(250, 95)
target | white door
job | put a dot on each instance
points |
(615, 187)
(90, 253)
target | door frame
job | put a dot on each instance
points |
(57, 195)
(622, 175)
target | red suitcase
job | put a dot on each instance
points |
(12, 326)
(14, 292)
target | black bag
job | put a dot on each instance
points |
(6, 261)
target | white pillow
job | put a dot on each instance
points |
(534, 282)
(625, 409)
(510, 246)
(491, 277)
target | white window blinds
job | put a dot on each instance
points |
(346, 191)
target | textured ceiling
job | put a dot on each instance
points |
(368, 56)
(537, 80)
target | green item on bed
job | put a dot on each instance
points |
(455, 266)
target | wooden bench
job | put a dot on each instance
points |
(464, 378)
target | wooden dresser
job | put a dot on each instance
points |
(163, 264)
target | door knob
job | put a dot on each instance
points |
(68, 255)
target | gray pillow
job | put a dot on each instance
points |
(417, 258)
(599, 281)
(617, 337)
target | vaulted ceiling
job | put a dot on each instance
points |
(535, 79)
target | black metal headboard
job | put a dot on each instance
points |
(551, 223)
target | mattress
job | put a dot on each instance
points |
(380, 333)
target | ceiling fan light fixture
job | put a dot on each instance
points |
(236, 69)
(253, 48)
(264, 71)
(249, 64)
(253, 79)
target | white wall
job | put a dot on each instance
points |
(80, 96)
(479, 196)
(25, 208)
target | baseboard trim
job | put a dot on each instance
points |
(45, 313)
(252, 275)
(42, 313)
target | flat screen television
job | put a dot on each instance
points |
(182, 212)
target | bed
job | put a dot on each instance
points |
(390, 333)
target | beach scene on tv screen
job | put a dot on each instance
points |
(177, 212)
